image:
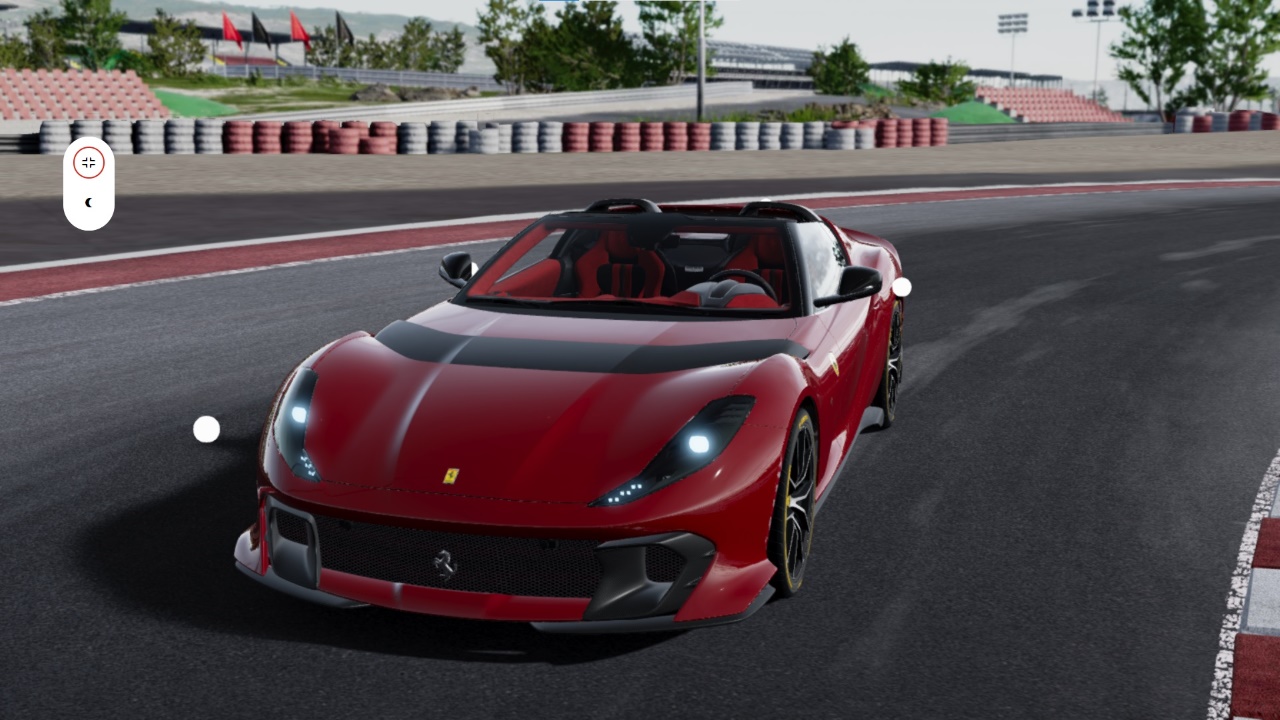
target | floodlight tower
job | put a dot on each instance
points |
(1012, 25)
(1097, 15)
(702, 55)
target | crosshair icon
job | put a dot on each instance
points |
(88, 163)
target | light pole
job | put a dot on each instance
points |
(1097, 17)
(702, 55)
(1012, 25)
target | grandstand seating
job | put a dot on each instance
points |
(76, 94)
(1044, 105)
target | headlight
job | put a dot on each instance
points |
(292, 415)
(699, 442)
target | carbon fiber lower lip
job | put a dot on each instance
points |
(662, 623)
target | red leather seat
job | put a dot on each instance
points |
(763, 256)
(615, 267)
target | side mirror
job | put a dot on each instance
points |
(456, 268)
(855, 282)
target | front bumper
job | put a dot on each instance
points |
(625, 598)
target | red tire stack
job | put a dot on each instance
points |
(699, 136)
(576, 137)
(886, 133)
(843, 124)
(320, 134)
(938, 131)
(298, 137)
(676, 136)
(237, 137)
(381, 139)
(1202, 124)
(1270, 121)
(653, 137)
(905, 132)
(266, 137)
(1238, 121)
(344, 141)
(921, 132)
(602, 137)
(626, 137)
(358, 125)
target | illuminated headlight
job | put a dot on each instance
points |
(290, 427)
(697, 444)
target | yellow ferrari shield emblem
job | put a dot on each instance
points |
(834, 365)
(451, 476)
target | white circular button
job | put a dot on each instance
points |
(206, 429)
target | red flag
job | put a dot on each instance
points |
(229, 31)
(297, 32)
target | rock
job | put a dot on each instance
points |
(428, 94)
(377, 92)
(472, 92)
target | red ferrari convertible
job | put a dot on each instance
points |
(627, 419)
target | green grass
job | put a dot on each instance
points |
(198, 81)
(189, 106)
(973, 113)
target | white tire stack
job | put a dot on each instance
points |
(504, 135)
(180, 136)
(724, 136)
(814, 134)
(865, 138)
(411, 138)
(1221, 121)
(770, 136)
(841, 139)
(86, 128)
(118, 135)
(1255, 121)
(550, 137)
(524, 137)
(55, 136)
(748, 136)
(484, 142)
(209, 136)
(1183, 121)
(792, 136)
(463, 137)
(148, 137)
(442, 137)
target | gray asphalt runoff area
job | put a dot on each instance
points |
(1049, 529)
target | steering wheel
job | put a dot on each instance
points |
(752, 277)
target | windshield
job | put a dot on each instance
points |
(675, 264)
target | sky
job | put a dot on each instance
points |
(885, 30)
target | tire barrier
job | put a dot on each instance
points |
(377, 145)
(442, 137)
(267, 136)
(791, 136)
(1202, 124)
(1221, 121)
(1238, 121)
(504, 135)
(770, 136)
(118, 135)
(551, 137)
(626, 137)
(382, 129)
(906, 135)
(180, 136)
(209, 136)
(921, 132)
(748, 136)
(483, 141)
(86, 128)
(55, 136)
(841, 138)
(940, 130)
(887, 134)
(524, 137)
(576, 137)
(1270, 121)
(344, 141)
(1182, 121)
(724, 136)
(1255, 121)
(601, 138)
(412, 138)
(675, 136)
(148, 137)
(814, 135)
(298, 137)
(699, 137)
(237, 137)
(320, 134)
(865, 137)
(462, 136)
(653, 137)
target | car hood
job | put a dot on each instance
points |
(487, 404)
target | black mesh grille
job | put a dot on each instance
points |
(662, 564)
(480, 563)
(291, 527)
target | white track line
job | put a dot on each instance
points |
(1220, 693)
(535, 215)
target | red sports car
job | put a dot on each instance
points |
(627, 419)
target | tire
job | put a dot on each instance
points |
(791, 529)
(891, 377)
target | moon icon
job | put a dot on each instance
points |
(86, 203)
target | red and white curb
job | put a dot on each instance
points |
(34, 282)
(1246, 682)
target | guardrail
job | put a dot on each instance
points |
(400, 78)
(1051, 131)
(473, 106)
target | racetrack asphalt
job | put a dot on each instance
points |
(1049, 530)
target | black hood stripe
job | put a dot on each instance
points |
(427, 345)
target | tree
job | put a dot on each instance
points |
(14, 52)
(503, 28)
(842, 71)
(449, 49)
(940, 83)
(419, 48)
(670, 28)
(587, 50)
(175, 46)
(375, 54)
(327, 51)
(91, 30)
(1100, 97)
(46, 47)
(1160, 39)
(1229, 64)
